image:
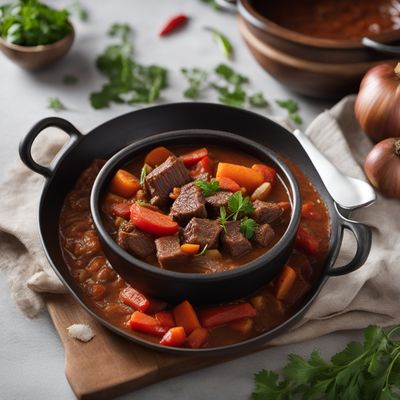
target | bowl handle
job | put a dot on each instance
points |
(382, 48)
(363, 236)
(25, 146)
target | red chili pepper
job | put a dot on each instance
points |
(173, 24)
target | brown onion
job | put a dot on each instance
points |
(377, 105)
(382, 167)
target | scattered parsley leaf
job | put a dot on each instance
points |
(208, 188)
(292, 108)
(238, 204)
(222, 218)
(55, 104)
(78, 9)
(70, 80)
(197, 79)
(231, 76)
(223, 42)
(248, 227)
(361, 371)
(258, 100)
(121, 31)
(212, 3)
(202, 251)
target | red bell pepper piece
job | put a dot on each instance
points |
(152, 222)
(121, 210)
(194, 156)
(306, 242)
(198, 338)
(228, 184)
(204, 166)
(186, 316)
(221, 315)
(165, 318)
(144, 323)
(268, 173)
(175, 337)
(173, 24)
(135, 299)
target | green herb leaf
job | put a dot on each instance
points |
(70, 80)
(222, 218)
(208, 188)
(143, 173)
(248, 227)
(231, 76)
(197, 79)
(212, 3)
(223, 42)
(121, 31)
(202, 251)
(32, 23)
(55, 104)
(78, 9)
(238, 204)
(292, 108)
(258, 100)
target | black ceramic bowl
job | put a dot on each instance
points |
(106, 139)
(196, 287)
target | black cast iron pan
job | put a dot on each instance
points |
(108, 138)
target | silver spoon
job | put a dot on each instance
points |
(349, 193)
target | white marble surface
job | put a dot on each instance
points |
(31, 355)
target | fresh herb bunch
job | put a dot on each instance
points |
(208, 188)
(367, 371)
(292, 108)
(32, 23)
(197, 81)
(128, 81)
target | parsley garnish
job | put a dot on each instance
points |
(143, 173)
(70, 80)
(32, 23)
(222, 217)
(292, 108)
(197, 80)
(258, 100)
(55, 104)
(223, 42)
(208, 188)
(238, 204)
(78, 9)
(248, 227)
(202, 251)
(128, 81)
(368, 370)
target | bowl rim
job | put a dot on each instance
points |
(69, 37)
(120, 158)
(263, 23)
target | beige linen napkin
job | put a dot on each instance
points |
(369, 295)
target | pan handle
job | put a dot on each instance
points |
(25, 146)
(363, 236)
(381, 47)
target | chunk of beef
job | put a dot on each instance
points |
(264, 235)
(233, 241)
(203, 232)
(160, 182)
(190, 203)
(216, 201)
(134, 241)
(205, 264)
(169, 252)
(266, 213)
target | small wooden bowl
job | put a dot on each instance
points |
(37, 57)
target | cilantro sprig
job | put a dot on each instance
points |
(368, 371)
(248, 227)
(208, 188)
(292, 108)
(238, 204)
(197, 81)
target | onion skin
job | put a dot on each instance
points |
(382, 167)
(377, 106)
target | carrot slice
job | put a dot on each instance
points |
(244, 325)
(198, 338)
(175, 337)
(221, 315)
(194, 156)
(135, 299)
(285, 282)
(152, 222)
(165, 318)
(189, 248)
(124, 184)
(144, 323)
(228, 184)
(157, 156)
(186, 316)
(268, 173)
(244, 176)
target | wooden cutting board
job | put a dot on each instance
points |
(109, 365)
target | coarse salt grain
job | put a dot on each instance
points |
(81, 332)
